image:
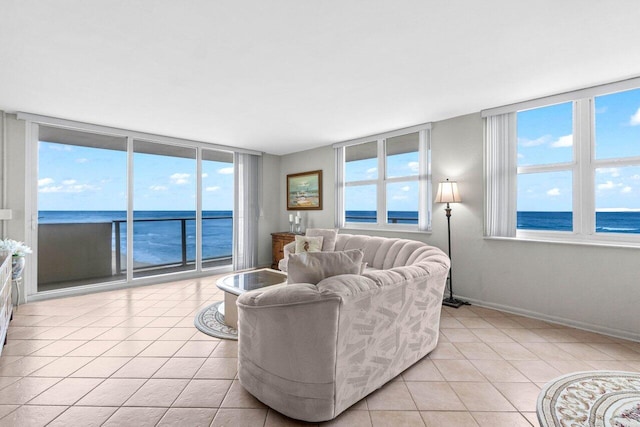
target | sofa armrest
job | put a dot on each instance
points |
(287, 249)
(277, 295)
(287, 339)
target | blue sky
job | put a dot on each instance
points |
(401, 196)
(545, 137)
(81, 178)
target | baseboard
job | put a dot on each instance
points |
(616, 333)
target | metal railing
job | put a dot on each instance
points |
(390, 219)
(183, 243)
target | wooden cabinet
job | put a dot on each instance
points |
(6, 305)
(278, 240)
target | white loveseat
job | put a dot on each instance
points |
(311, 351)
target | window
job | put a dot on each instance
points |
(545, 164)
(136, 205)
(575, 172)
(384, 180)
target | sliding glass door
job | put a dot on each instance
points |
(164, 208)
(217, 208)
(96, 191)
(82, 198)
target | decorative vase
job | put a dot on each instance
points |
(17, 264)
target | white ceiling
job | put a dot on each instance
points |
(282, 76)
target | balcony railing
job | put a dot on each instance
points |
(391, 219)
(184, 259)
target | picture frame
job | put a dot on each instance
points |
(304, 191)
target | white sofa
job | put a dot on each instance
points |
(311, 351)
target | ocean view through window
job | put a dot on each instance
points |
(157, 241)
(87, 180)
(573, 167)
(384, 181)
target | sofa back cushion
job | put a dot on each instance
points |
(328, 235)
(312, 267)
(383, 253)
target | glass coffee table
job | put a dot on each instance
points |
(239, 283)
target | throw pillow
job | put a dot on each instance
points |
(329, 236)
(312, 267)
(308, 244)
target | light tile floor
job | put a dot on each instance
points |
(133, 358)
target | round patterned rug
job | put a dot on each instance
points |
(211, 322)
(591, 399)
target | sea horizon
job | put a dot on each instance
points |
(607, 220)
(157, 234)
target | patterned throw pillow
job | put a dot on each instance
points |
(308, 244)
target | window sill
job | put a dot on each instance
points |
(566, 240)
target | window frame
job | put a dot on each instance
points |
(583, 166)
(33, 123)
(423, 178)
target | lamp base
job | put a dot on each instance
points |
(455, 303)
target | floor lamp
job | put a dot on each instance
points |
(448, 193)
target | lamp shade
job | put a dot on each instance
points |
(448, 192)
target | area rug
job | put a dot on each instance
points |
(591, 399)
(211, 322)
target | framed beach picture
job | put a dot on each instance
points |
(304, 191)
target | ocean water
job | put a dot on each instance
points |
(157, 235)
(395, 217)
(606, 222)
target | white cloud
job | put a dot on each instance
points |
(534, 142)
(406, 188)
(372, 170)
(158, 188)
(553, 192)
(226, 171)
(213, 188)
(52, 189)
(520, 156)
(563, 141)
(69, 188)
(626, 189)
(609, 185)
(80, 188)
(636, 176)
(204, 175)
(82, 160)
(614, 172)
(400, 197)
(414, 166)
(635, 119)
(180, 178)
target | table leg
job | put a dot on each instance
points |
(230, 310)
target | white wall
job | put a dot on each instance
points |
(592, 287)
(305, 161)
